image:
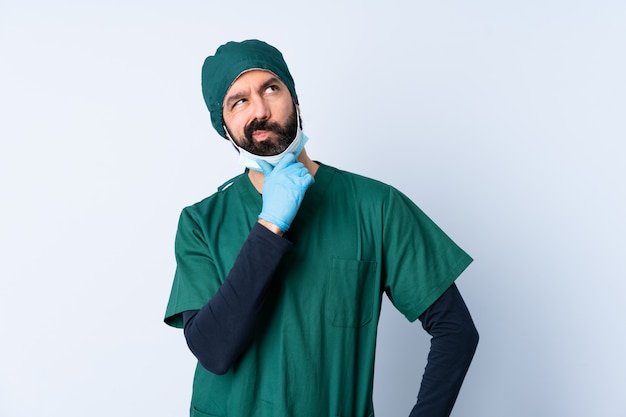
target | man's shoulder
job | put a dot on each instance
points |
(357, 181)
(223, 192)
(365, 190)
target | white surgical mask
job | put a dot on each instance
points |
(248, 159)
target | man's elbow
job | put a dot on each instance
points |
(216, 367)
(216, 364)
(209, 354)
(470, 339)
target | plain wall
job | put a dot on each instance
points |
(504, 121)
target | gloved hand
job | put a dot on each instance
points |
(283, 190)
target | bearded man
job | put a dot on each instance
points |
(281, 273)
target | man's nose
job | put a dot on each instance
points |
(261, 109)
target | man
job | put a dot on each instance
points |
(280, 274)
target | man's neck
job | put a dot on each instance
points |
(257, 178)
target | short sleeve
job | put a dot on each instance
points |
(419, 260)
(196, 279)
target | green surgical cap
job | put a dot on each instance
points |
(229, 62)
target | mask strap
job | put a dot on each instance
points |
(230, 138)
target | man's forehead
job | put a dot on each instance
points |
(260, 75)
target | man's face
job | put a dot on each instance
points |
(259, 113)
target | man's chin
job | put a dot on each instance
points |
(268, 146)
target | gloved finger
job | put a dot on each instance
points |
(306, 181)
(285, 161)
(296, 169)
(266, 167)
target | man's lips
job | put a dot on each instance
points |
(260, 135)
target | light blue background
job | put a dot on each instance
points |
(504, 121)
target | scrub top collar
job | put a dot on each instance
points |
(313, 196)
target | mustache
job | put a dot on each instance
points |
(257, 124)
(284, 136)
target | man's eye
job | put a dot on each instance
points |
(272, 88)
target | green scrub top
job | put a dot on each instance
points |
(313, 354)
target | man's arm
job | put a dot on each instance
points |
(222, 330)
(454, 341)
(218, 333)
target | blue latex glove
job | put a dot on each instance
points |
(283, 190)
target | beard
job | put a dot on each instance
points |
(273, 146)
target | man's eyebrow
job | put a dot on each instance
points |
(234, 98)
(238, 96)
(269, 82)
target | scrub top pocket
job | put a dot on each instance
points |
(350, 292)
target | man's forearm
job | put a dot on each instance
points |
(454, 341)
(218, 333)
